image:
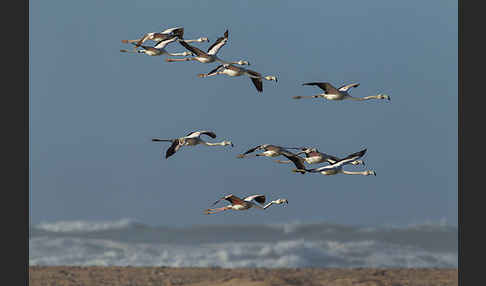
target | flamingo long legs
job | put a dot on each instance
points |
(306, 96)
(179, 60)
(217, 210)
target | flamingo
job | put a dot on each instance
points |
(238, 204)
(209, 56)
(313, 156)
(157, 50)
(332, 169)
(191, 139)
(268, 151)
(331, 93)
(231, 70)
(167, 34)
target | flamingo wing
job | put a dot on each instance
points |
(254, 73)
(329, 158)
(172, 30)
(201, 132)
(352, 157)
(177, 31)
(258, 198)
(234, 199)
(253, 149)
(257, 82)
(163, 43)
(348, 159)
(298, 161)
(215, 70)
(143, 39)
(173, 148)
(218, 44)
(327, 87)
(231, 198)
(209, 133)
(256, 78)
(193, 49)
(348, 86)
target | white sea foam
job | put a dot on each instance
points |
(291, 253)
(84, 226)
(426, 225)
(292, 244)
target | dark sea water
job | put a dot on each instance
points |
(127, 242)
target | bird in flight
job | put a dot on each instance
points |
(176, 32)
(268, 151)
(232, 70)
(209, 56)
(246, 203)
(332, 169)
(332, 93)
(313, 156)
(191, 139)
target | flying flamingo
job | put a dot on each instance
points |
(157, 50)
(191, 139)
(331, 93)
(231, 70)
(268, 151)
(332, 169)
(313, 156)
(238, 204)
(207, 57)
(177, 32)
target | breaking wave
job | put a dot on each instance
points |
(85, 226)
(127, 242)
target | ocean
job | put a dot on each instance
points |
(126, 242)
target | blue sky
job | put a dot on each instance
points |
(93, 111)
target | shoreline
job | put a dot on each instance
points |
(216, 276)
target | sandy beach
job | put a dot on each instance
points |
(169, 276)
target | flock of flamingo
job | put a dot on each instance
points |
(334, 165)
